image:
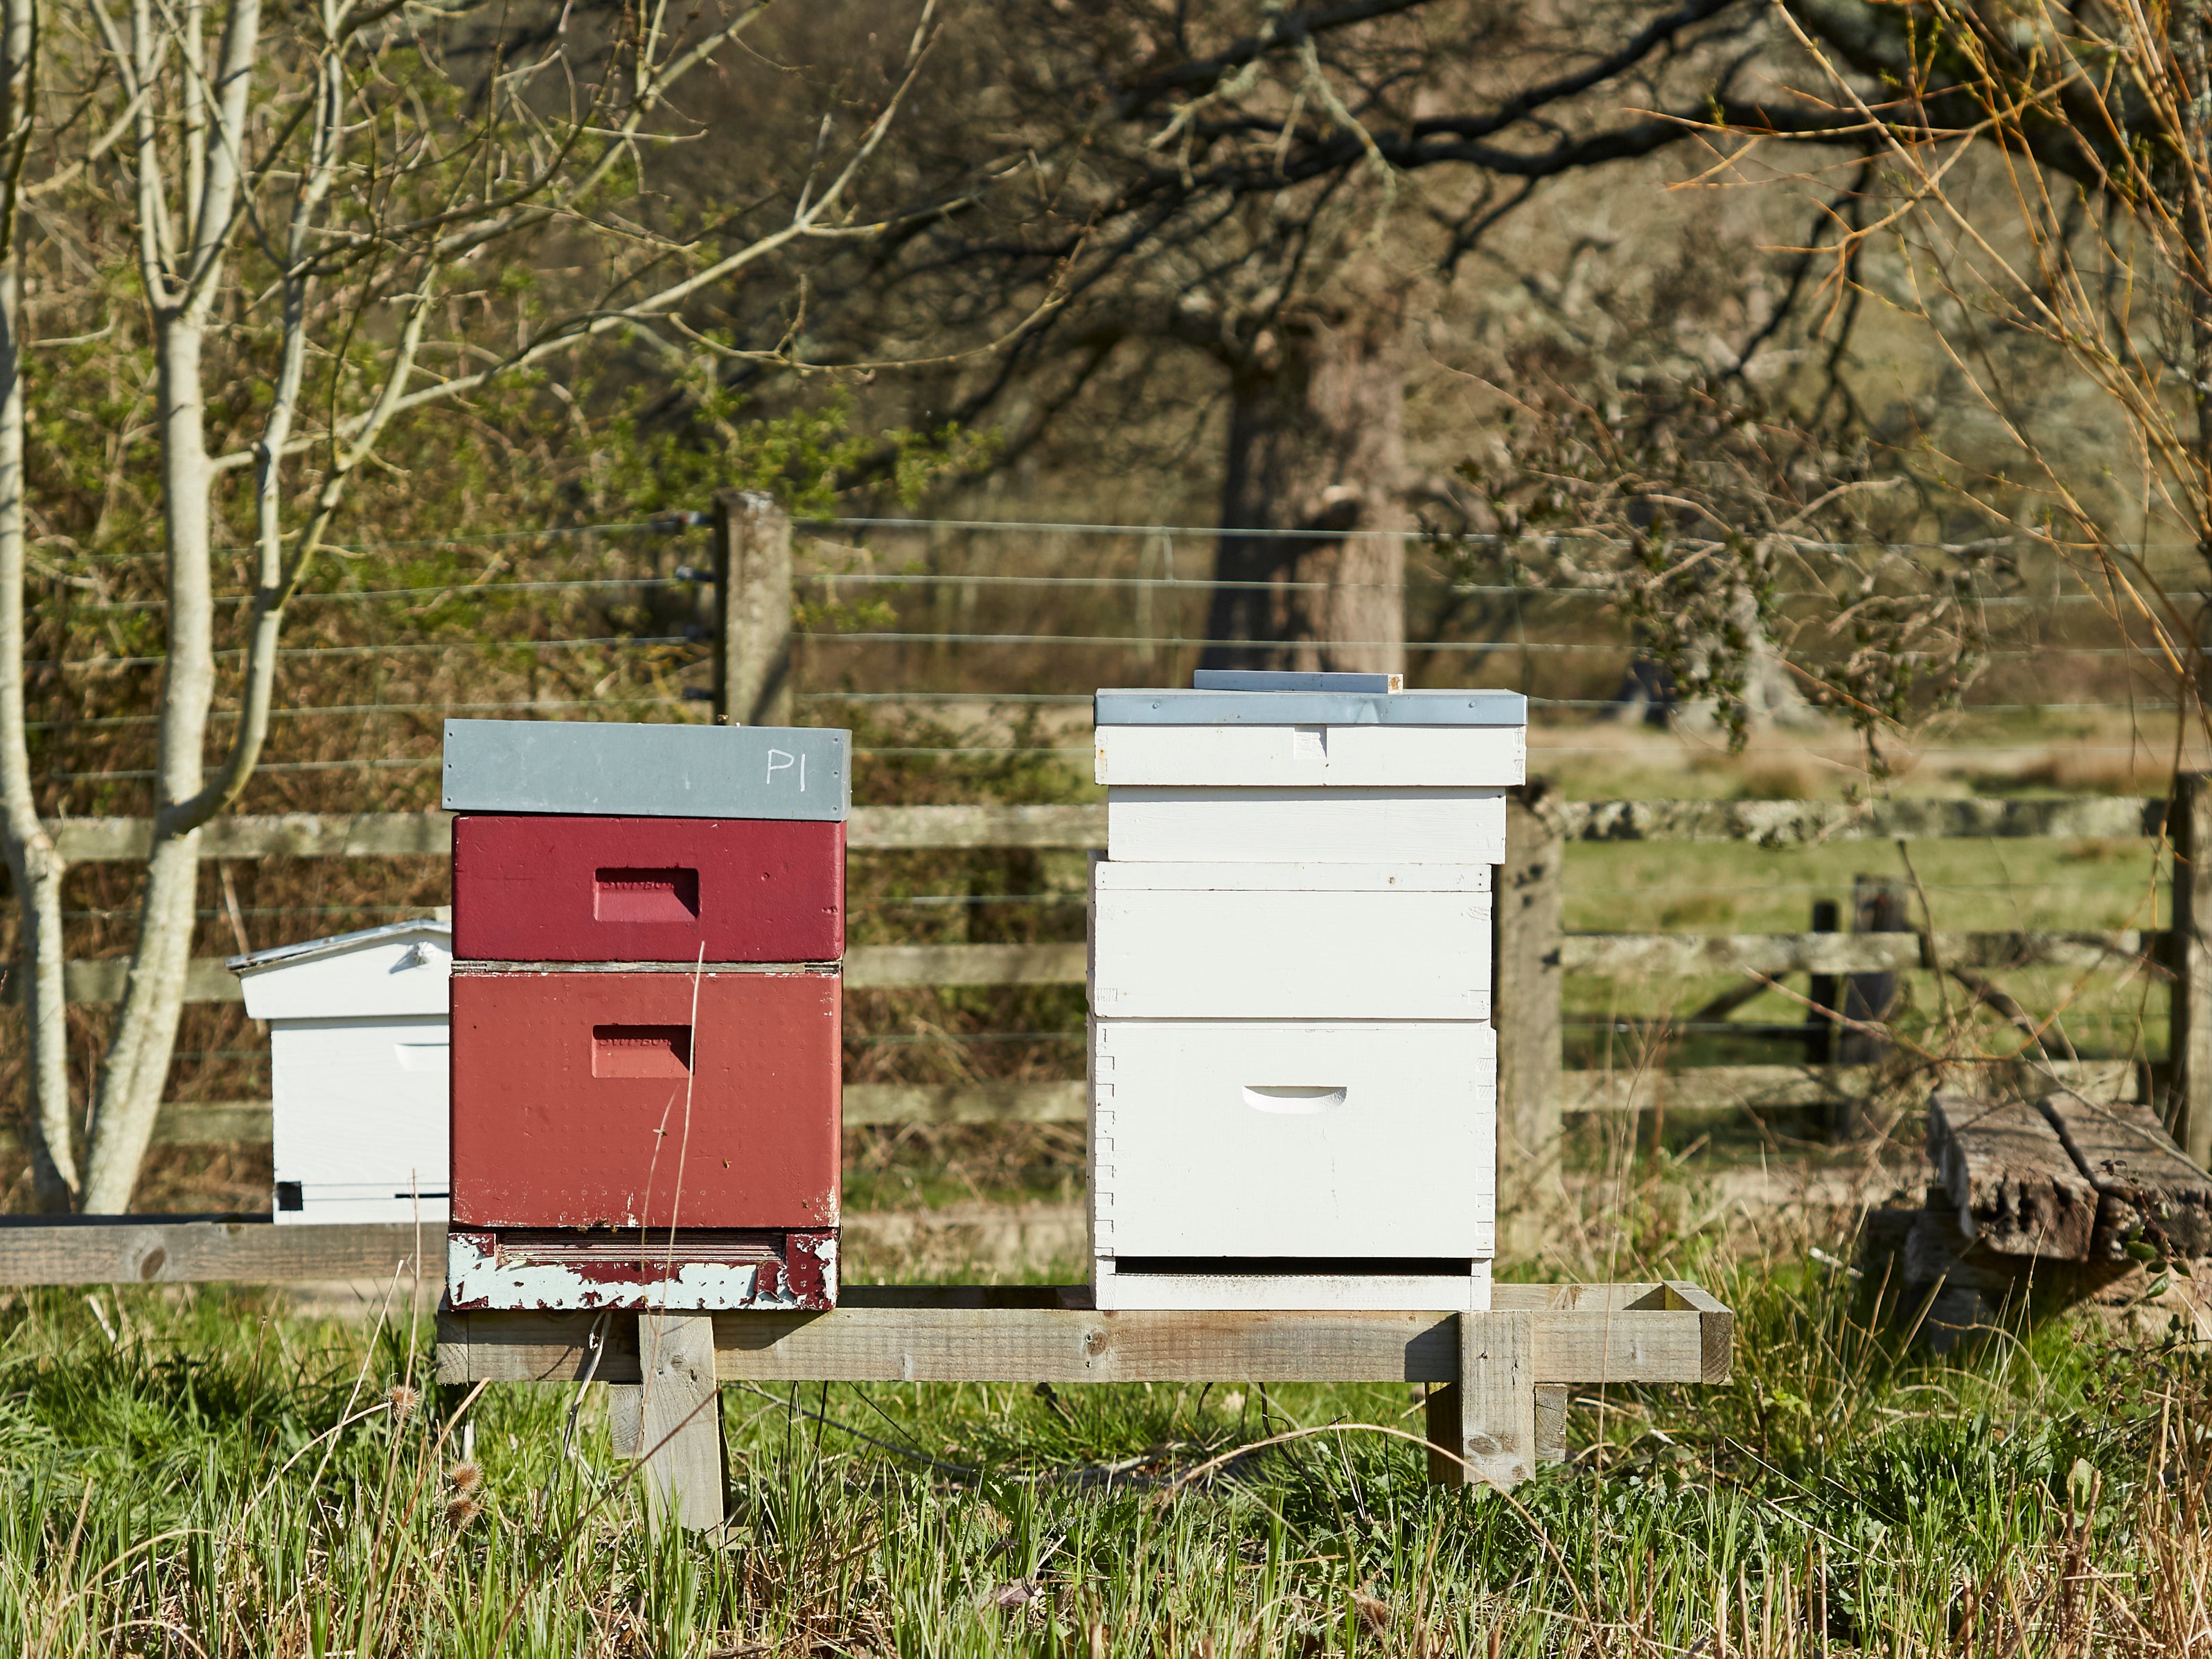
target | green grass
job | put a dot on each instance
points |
(216, 1479)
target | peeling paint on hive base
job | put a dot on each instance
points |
(696, 1270)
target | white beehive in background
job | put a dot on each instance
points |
(357, 1039)
(1293, 1078)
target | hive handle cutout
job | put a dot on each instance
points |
(640, 894)
(641, 1051)
(1296, 1101)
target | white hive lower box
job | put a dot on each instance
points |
(1293, 1164)
(1294, 1082)
(358, 1034)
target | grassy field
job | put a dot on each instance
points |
(204, 1474)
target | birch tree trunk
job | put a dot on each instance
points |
(34, 864)
(1316, 443)
(145, 1033)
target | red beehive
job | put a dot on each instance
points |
(641, 1098)
(562, 889)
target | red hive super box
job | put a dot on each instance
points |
(646, 1015)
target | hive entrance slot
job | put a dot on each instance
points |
(1277, 1267)
(640, 895)
(1262, 1098)
(641, 1051)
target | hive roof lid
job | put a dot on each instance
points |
(1200, 706)
(399, 970)
(338, 945)
(631, 770)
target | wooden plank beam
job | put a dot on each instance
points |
(885, 829)
(973, 1102)
(1717, 1321)
(867, 967)
(1697, 1088)
(874, 828)
(2011, 1178)
(429, 835)
(177, 1250)
(857, 1343)
(103, 981)
(887, 967)
(2146, 1186)
(277, 835)
(1779, 955)
(1808, 822)
(882, 967)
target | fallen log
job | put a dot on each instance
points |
(2148, 1190)
(2016, 1188)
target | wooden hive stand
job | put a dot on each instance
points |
(1500, 1379)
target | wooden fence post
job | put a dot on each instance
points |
(752, 610)
(1529, 915)
(680, 1418)
(1879, 905)
(2188, 826)
(1825, 993)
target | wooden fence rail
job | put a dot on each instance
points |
(1536, 1088)
(887, 967)
(875, 829)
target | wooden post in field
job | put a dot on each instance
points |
(1825, 993)
(752, 610)
(1488, 1418)
(2188, 824)
(1530, 912)
(679, 1418)
(1879, 905)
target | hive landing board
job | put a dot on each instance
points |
(613, 768)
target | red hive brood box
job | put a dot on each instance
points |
(547, 889)
(646, 1006)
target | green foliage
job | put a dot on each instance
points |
(1758, 562)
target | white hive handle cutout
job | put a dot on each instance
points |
(1307, 1101)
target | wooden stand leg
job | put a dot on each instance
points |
(1488, 1418)
(679, 1405)
(625, 1400)
(1552, 1423)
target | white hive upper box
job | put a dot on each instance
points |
(1337, 774)
(1294, 1082)
(357, 1040)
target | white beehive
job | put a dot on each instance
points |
(1293, 1080)
(358, 1038)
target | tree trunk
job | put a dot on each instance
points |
(2193, 54)
(35, 865)
(138, 1066)
(36, 869)
(1316, 442)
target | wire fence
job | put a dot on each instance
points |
(951, 642)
